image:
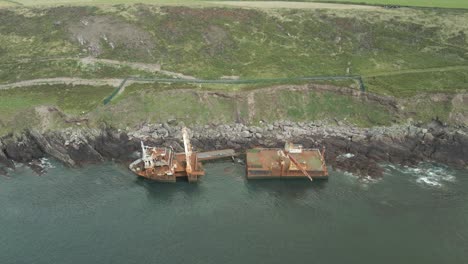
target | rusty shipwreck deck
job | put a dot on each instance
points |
(263, 163)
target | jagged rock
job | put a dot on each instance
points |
(54, 150)
(428, 137)
(22, 149)
(245, 134)
(163, 132)
(397, 144)
(3, 158)
(146, 130)
(172, 121)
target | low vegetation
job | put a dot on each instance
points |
(399, 52)
(217, 42)
(417, 3)
(17, 106)
(201, 104)
(411, 84)
(420, 3)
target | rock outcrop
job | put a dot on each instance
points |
(365, 148)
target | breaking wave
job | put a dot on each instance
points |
(428, 174)
(364, 181)
(46, 164)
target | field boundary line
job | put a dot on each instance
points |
(120, 89)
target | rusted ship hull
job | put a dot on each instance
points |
(164, 165)
(277, 163)
(161, 173)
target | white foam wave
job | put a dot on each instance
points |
(428, 174)
(46, 164)
(364, 180)
(345, 156)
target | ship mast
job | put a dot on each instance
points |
(188, 150)
(143, 151)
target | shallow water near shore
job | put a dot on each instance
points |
(104, 214)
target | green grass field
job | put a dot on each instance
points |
(216, 42)
(191, 103)
(197, 104)
(418, 3)
(421, 3)
(72, 99)
(17, 105)
(94, 2)
(399, 52)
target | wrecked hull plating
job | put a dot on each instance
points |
(164, 174)
(164, 165)
(291, 162)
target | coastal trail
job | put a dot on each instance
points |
(426, 70)
(62, 80)
(146, 67)
(294, 5)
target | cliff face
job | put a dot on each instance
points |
(406, 144)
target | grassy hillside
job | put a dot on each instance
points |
(89, 2)
(403, 53)
(212, 103)
(422, 3)
(17, 106)
(216, 42)
(418, 3)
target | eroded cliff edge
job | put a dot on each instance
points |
(399, 144)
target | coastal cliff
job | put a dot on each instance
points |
(348, 148)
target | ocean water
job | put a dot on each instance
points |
(104, 214)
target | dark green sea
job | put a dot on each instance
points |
(104, 214)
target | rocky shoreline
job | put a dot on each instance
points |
(348, 148)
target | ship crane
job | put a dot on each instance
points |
(188, 150)
(298, 166)
(165, 165)
(292, 148)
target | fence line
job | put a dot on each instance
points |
(119, 89)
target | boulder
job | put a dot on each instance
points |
(245, 134)
(22, 149)
(4, 159)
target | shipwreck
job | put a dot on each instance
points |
(291, 162)
(166, 165)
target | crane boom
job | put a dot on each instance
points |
(188, 150)
(299, 166)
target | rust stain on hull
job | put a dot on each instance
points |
(167, 171)
(164, 165)
(291, 162)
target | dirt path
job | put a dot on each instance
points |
(251, 105)
(9, 3)
(426, 70)
(293, 5)
(62, 80)
(147, 67)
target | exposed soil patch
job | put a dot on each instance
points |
(210, 14)
(217, 39)
(62, 80)
(95, 32)
(459, 114)
(295, 5)
(134, 65)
